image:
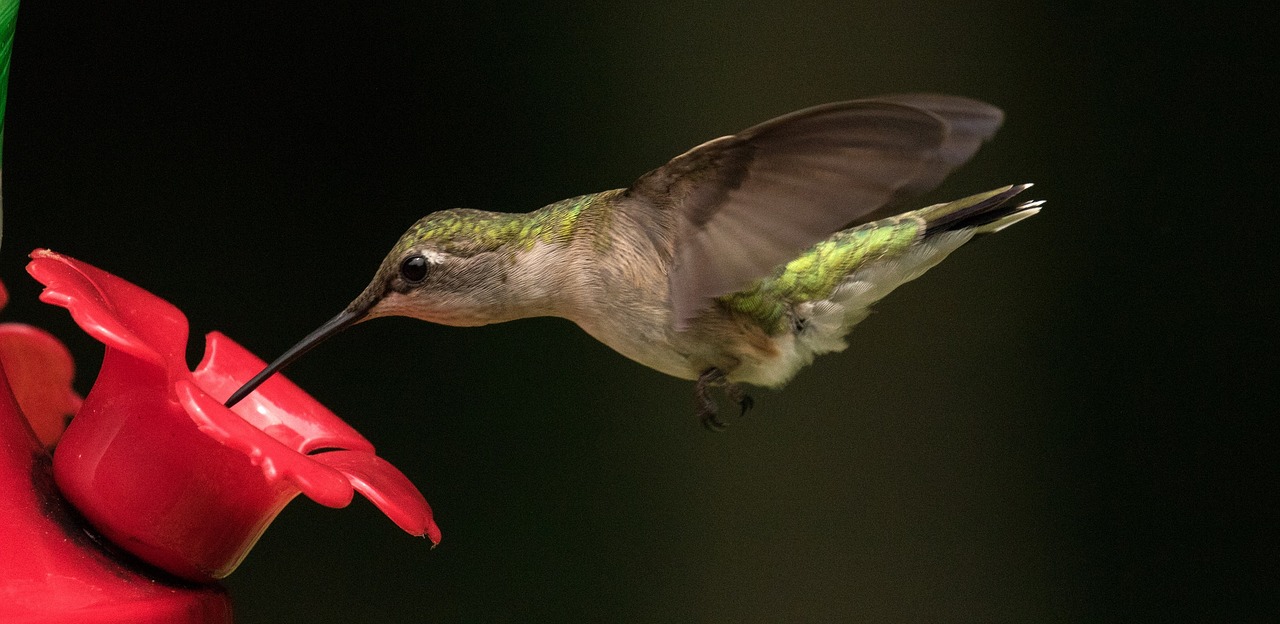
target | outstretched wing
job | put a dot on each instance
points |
(747, 202)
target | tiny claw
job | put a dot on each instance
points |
(713, 423)
(707, 408)
(739, 396)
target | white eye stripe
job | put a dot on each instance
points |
(416, 267)
(432, 256)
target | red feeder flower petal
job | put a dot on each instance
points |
(40, 370)
(158, 465)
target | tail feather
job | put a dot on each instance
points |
(983, 213)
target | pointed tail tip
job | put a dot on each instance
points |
(982, 213)
(1025, 210)
(1012, 189)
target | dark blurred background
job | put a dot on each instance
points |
(1068, 421)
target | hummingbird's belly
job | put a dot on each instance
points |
(649, 350)
(744, 353)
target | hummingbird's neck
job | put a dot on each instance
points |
(549, 254)
(538, 282)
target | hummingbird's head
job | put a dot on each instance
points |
(451, 267)
(454, 267)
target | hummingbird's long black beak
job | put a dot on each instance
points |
(334, 325)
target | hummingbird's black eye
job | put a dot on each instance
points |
(414, 269)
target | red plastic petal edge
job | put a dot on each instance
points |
(111, 309)
(387, 488)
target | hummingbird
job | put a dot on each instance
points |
(734, 263)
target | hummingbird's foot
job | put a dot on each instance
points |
(711, 421)
(708, 409)
(739, 396)
(706, 405)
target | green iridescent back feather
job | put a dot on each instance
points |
(815, 273)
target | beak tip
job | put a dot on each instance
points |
(344, 319)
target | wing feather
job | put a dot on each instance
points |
(744, 203)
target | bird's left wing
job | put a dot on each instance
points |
(744, 203)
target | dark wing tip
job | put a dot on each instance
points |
(965, 115)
